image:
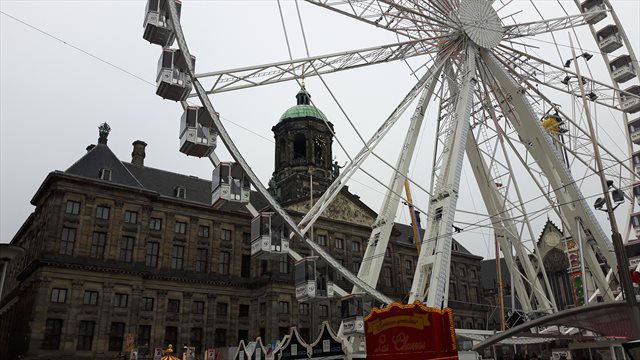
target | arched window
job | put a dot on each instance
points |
(318, 150)
(299, 146)
(281, 151)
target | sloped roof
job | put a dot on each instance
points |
(101, 157)
(165, 183)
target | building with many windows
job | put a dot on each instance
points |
(119, 255)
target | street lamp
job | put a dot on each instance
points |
(617, 195)
(586, 56)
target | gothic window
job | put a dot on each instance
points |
(299, 146)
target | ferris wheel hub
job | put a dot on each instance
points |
(481, 23)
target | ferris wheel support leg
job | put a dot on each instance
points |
(570, 200)
(381, 229)
(435, 253)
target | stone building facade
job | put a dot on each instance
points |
(120, 254)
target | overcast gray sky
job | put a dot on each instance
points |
(54, 96)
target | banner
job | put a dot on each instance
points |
(410, 332)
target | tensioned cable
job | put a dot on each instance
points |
(116, 66)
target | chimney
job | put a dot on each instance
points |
(138, 154)
(90, 147)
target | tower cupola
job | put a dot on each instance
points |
(303, 151)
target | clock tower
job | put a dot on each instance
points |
(303, 139)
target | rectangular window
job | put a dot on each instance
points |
(197, 307)
(104, 174)
(283, 307)
(282, 332)
(246, 238)
(223, 266)
(90, 297)
(324, 310)
(116, 336)
(126, 248)
(180, 192)
(356, 267)
(120, 300)
(173, 306)
(195, 339)
(339, 243)
(170, 335)
(243, 335)
(181, 227)
(85, 335)
(387, 253)
(284, 264)
(243, 311)
(220, 338)
(98, 241)
(408, 265)
(303, 308)
(387, 277)
(264, 266)
(152, 249)
(147, 303)
(155, 224)
(102, 212)
(72, 207)
(52, 332)
(245, 266)
(130, 217)
(201, 260)
(222, 309)
(144, 335)
(263, 309)
(304, 334)
(58, 295)
(321, 240)
(355, 246)
(67, 241)
(177, 256)
(225, 235)
(203, 231)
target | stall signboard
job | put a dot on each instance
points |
(410, 332)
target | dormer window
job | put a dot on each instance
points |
(180, 192)
(104, 174)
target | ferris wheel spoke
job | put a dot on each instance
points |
(570, 200)
(389, 15)
(542, 72)
(544, 26)
(234, 79)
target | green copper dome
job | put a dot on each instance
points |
(303, 107)
(300, 111)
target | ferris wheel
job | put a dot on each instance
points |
(514, 95)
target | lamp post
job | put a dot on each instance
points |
(616, 238)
